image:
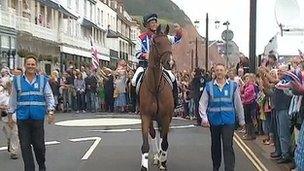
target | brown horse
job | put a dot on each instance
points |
(156, 98)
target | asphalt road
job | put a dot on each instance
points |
(117, 148)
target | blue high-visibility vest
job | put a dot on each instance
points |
(31, 103)
(221, 109)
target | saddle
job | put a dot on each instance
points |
(139, 79)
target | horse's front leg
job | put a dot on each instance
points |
(145, 124)
(155, 144)
(163, 154)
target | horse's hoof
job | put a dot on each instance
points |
(163, 165)
(143, 168)
(155, 162)
(155, 159)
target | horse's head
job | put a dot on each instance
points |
(162, 49)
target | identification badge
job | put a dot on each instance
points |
(36, 85)
(226, 92)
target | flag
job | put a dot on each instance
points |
(94, 53)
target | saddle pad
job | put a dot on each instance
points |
(140, 80)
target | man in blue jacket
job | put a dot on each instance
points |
(31, 98)
(219, 105)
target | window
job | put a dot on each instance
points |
(109, 22)
(101, 18)
(98, 16)
(49, 22)
(102, 38)
(77, 5)
(91, 11)
(69, 3)
(85, 7)
(14, 4)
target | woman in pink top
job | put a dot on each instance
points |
(249, 95)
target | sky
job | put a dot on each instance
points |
(237, 13)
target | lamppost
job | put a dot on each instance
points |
(196, 55)
(207, 42)
(252, 36)
(227, 28)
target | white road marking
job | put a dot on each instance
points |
(114, 130)
(3, 148)
(52, 143)
(182, 126)
(100, 122)
(137, 129)
(92, 148)
(46, 143)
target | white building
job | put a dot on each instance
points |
(122, 36)
(135, 32)
(59, 32)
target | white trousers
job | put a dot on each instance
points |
(11, 134)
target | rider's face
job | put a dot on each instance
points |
(152, 25)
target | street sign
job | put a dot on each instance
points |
(227, 35)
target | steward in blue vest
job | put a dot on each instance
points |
(31, 99)
(223, 104)
(221, 109)
(31, 102)
(219, 104)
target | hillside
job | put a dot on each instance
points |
(166, 9)
(169, 13)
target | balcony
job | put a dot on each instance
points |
(23, 24)
(82, 43)
(36, 30)
(7, 19)
(74, 41)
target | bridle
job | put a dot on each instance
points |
(157, 65)
(158, 54)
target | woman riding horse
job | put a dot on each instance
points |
(156, 99)
(143, 48)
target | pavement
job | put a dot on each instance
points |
(116, 146)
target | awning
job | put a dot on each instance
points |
(55, 4)
(89, 24)
(112, 34)
(84, 53)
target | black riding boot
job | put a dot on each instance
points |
(175, 93)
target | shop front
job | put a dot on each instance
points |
(47, 52)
